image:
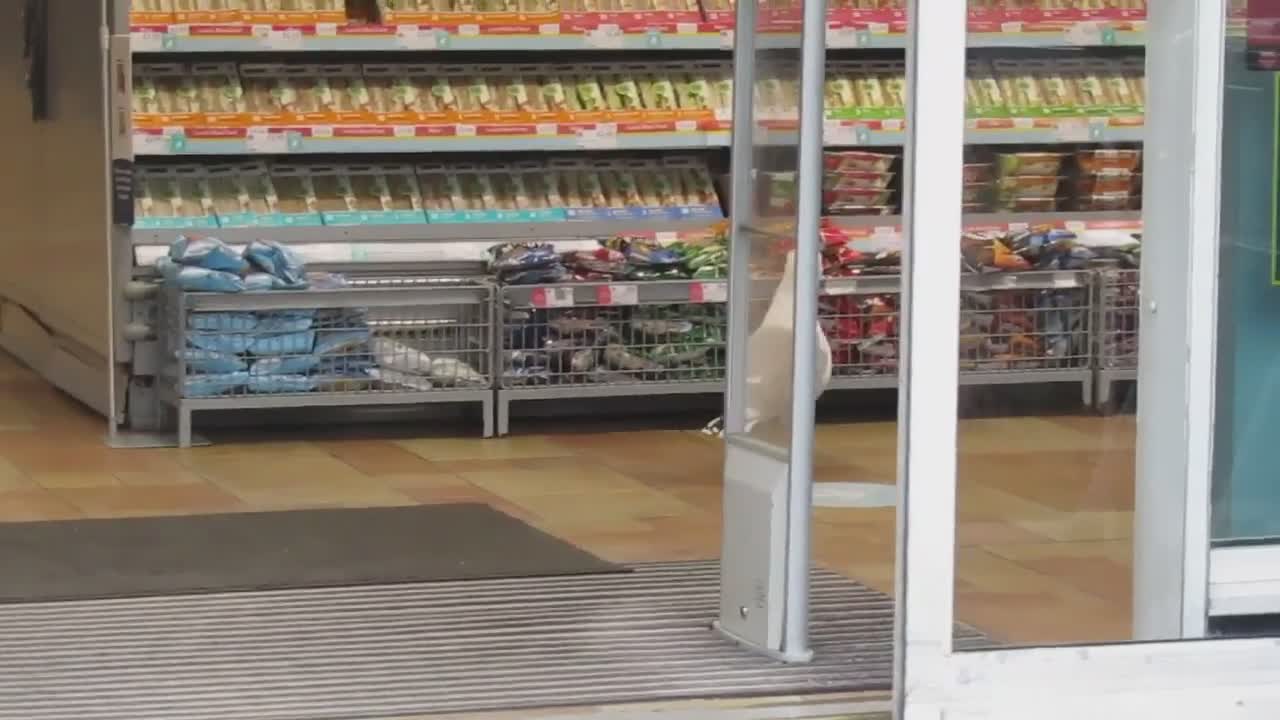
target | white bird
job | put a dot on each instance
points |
(769, 358)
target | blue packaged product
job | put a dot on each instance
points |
(289, 365)
(212, 385)
(197, 279)
(296, 343)
(278, 261)
(210, 361)
(208, 253)
(223, 321)
(269, 384)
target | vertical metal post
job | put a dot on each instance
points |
(741, 208)
(929, 370)
(813, 56)
(1178, 319)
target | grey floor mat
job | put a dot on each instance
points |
(422, 648)
(84, 559)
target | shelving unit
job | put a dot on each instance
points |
(457, 248)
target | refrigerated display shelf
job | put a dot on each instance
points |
(706, 37)
(596, 136)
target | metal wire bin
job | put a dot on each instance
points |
(1117, 337)
(592, 340)
(1032, 327)
(374, 342)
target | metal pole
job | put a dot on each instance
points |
(742, 210)
(813, 56)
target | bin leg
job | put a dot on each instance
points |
(504, 415)
(184, 427)
(487, 409)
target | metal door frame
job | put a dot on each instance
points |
(1202, 678)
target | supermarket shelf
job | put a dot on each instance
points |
(1034, 280)
(451, 232)
(621, 293)
(425, 139)
(706, 37)
(1075, 221)
(634, 135)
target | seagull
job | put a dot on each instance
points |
(769, 357)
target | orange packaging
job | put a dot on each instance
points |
(165, 95)
(208, 12)
(294, 12)
(151, 12)
(342, 94)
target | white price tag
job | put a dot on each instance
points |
(878, 28)
(404, 131)
(548, 297)
(471, 30)
(618, 295)
(686, 28)
(723, 114)
(605, 36)
(1011, 27)
(836, 132)
(1019, 227)
(151, 144)
(686, 126)
(148, 41)
(1084, 33)
(290, 39)
(726, 39)
(602, 136)
(841, 37)
(1073, 130)
(1075, 226)
(260, 140)
(547, 129)
(462, 130)
(666, 237)
(322, 131)
(326, 30)
(1023, 123)
(709, 292)
(412, 37)
(549, 29)
(260, 32)
(180, 30)
(892, 124)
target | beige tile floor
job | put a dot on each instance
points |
(1043, 526)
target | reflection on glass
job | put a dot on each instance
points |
(1048, 266)
(1246, 495)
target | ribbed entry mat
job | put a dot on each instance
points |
(406, 649)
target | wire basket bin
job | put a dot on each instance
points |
(1014, 328)
(375, 342)
(610, 339)
(1117, 341)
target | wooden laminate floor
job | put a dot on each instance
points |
(1044, 519)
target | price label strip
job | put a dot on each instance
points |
(552, 297)
(709, 292)
(618, 295)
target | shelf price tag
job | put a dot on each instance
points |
(686, 28)
(837, 132)
(469, 30)
(551, 297)
(726, 39)
(549, 29)
(326, 29)
(1073, 130)
(149, 41)
(1087, 33)
(321, 131)
(617, 295)
(1014, 26)
(412, 37)
(605, 36)
(289, 39)
(547, 129)
(601, 137)
(842, 37)
(260, 140)
(709, 292)
(147, 143)
(464, 130)
(404, 131)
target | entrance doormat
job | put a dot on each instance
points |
(136, 557)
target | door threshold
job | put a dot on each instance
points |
(828, 706)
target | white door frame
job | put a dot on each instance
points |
(1222, 679)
